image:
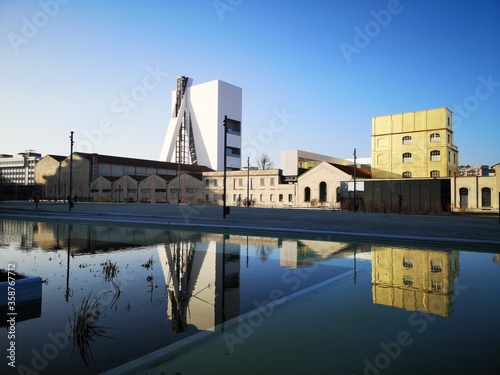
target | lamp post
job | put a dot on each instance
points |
(248, 181)
(70, 199)
(225, 157)
(355, 165)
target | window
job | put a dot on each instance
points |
(160, 190)
(271, 181)
(215, 197)
(207, 197)
(131, 191)
(94, 190)
(280, 197)
(262, 197)
(146, 190)
(271, 198)
(290, 197)
(464, 197)
(435, 137)
(234, 197)
(435, 266)
(407, 158)
(435, 174)
(106, 190)
(407, 263)
(322, 191)
(262, 182)
(407, 174)
(307, 194)
(215, 182)
(486, 197)
(240, 182)
(407, 140)
(407, 280)
(207, 182)
(435, 155)
(436, 285)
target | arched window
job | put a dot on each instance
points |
(435, 173)
(435, 137)
(290, 197)
(435, 155)
(262, 197)
(271, 198)
(280, 197)
(407, 158)
(464, 197)
(407, 140)
(307, 194)
(234, 197)
(486, 197)
(322, 191)
(207, 197)
(407, 174)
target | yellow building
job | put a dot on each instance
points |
(414, 145)
(414, 280)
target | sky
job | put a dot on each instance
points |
(313, 73)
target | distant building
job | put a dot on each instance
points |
(414, 145)
(468, 171)
(296, 162)
(17, 175)
(112, 178)
(195, 133)
(18, 169)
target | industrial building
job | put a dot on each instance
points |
(195, 133)
(17, 175)
(414, 145)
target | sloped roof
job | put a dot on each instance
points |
(59, 158)
(360, 172)
(110, 159)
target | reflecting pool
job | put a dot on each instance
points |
(111, 294)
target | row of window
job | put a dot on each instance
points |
(238, 182)
(434, 174)
(240, 198)
(435, 265)
(485, 197)
(435, 155)
(129, 191)
(434, 137)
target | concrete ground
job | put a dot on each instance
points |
(208, 352)
(408, 228)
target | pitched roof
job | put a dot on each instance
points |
(360, 172)
(110, 159)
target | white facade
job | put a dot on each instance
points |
(18, 169)
(195, 133)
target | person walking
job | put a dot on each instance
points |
(37, 200)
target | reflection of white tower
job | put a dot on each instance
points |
(195, 133)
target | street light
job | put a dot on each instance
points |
(248, 181)
(70, 201)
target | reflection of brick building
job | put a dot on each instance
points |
(414, 280)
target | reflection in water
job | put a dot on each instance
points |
(208, 279)
(414, 280)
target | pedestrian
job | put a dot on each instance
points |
(75, 198)
(37, 199)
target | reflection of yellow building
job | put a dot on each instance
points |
(414, 280)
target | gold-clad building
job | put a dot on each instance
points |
(414, 280)
(414, 145)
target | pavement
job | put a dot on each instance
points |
(411, 229)
(207, 352)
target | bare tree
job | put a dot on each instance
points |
(265, 162)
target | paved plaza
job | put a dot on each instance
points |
(440, 228)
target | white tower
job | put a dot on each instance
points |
(195, 133)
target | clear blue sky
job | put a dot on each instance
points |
(68, 65)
